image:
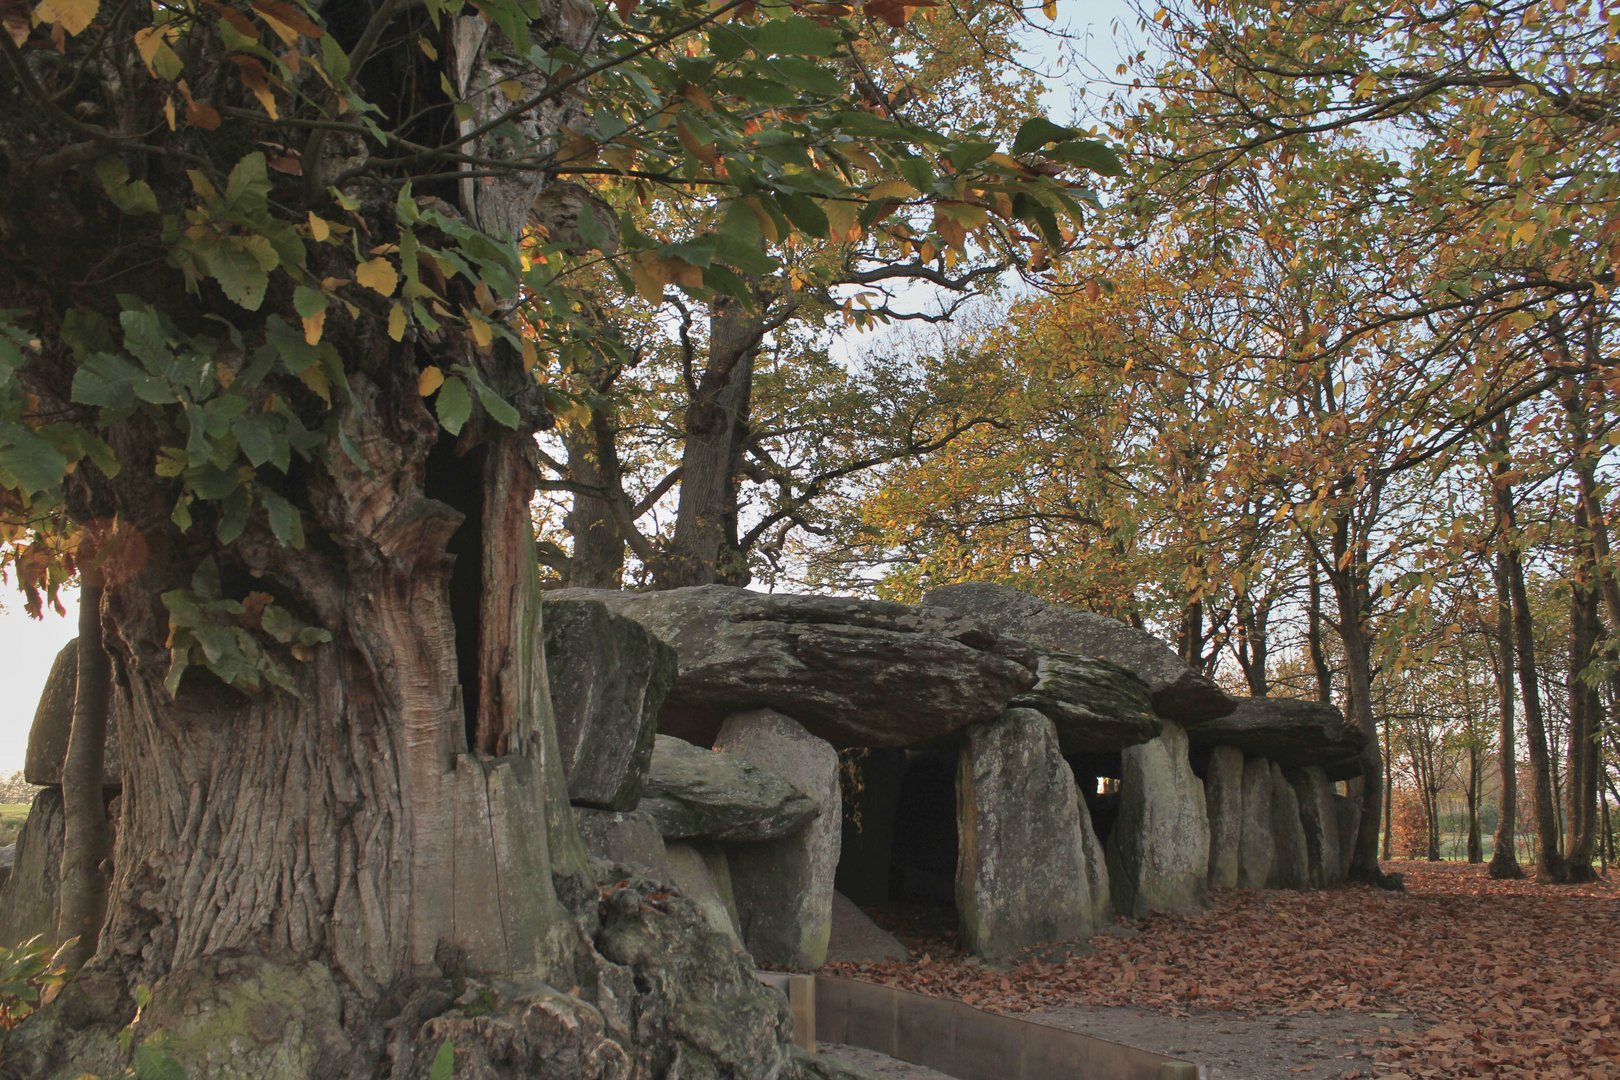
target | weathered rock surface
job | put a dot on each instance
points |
(608, 676)
(1096, 705)
(856, 672)
(856, 939)
(1257, 845)
(1223, 798)
(1290, 863)
(1179, 692)
(53, 722)
(1098, 891)
(1290, 731)
(630, 838)
(1021, 870)
(1321, 822)
(784, 887)
(1347, 812)
(1158, 849)
(697, 794)
(28, 898)
(689, 872)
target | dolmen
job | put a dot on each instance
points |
(783, 761)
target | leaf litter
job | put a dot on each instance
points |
(1504, 979)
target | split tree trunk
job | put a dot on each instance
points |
(1505, 857)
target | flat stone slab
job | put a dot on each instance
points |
(1290, 731)
(1179, 693)
(608, 678)
(856, 939)
(854, 672)
(697, 794)
(1158, 849)
(1097, 706)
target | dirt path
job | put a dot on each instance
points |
(1485, 979)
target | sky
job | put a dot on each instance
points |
(27, 646)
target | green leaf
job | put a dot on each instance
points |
(247, 190)
(794, 36)
(497, 407)
(967, 155)
(238, 504)
(591, 230)
(1089, 154)
(29, 462)
(808, 76)
(1037, 132)
(285, 520)
(444, 1062)
(131, 198)
(108, 381)
(238, 267)
(454, 405)
(309, 302)
(263, 438)
(154, 1063)
(805, 214)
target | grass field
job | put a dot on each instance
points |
(12, 816)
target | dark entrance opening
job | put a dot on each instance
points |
(458, 481)
(1089, 770)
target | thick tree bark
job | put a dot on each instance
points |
(1505, 857)
(87, 845)
(1586, 628)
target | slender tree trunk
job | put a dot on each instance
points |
(1389, 784)
(597, 561)
(1549, 862)
(716, 434)
(87, 837)
(1313, 636)
(1585, 713)
(1476, 847)
(1505, 857)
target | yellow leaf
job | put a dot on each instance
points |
(647, 270)
(430, 380)
(151, 42)
(843, 218)
(312, 327)
(481, 293)
(396, 323)
(531, 356)
(71, 15)
(319, 228)
(893, 189)
(1524, 233)
(512, 89)
(1473, 159)
(168, 112)
(481, 331)
(314, 378)
(377, 275)
(767, 224)
(1049, 7)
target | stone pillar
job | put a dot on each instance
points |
(1321, 822)
(1290, 866)
(1021, 866)
(1257, 846)
(1347, 812)
(1097, 888)
(784, 887)
(1158, 851)
(1223, 795)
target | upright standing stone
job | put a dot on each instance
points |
(28, 901)
(608, 677)
(1321, 823)
(1257, 846)
(1097, 889)
(1021, 866)
(1290, 866)
(1223, 795)
(784, 887)
(1348, 814)
(689, 872)
(1158, 850)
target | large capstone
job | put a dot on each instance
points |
(1179, 692)
(1158, 849)
(1290, 863)
(1321, 821)
(856, 672)
(53, 722)
(628, 838)
(1293, 732)
(608, 677)
(784, 887)
(697, 794)
(1257, 845)
(1021, 869)
(1096, 705)
(1223, 798)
